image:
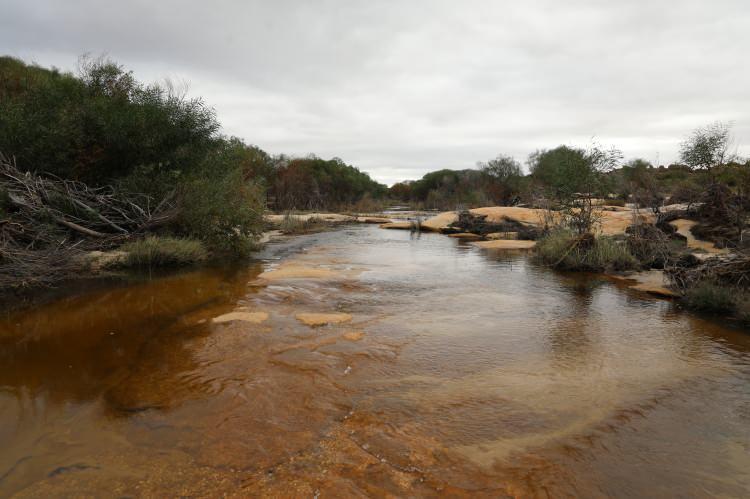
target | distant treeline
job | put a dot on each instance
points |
(555, 174)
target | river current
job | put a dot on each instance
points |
(436, 369)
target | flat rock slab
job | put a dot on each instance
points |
(493, 236)
(252, 317)
(469, 236)
(396, 225)
(684, 227)
(297, 272)
(509, 244)
(373, 220)
(612, 222)
(651, 282)
(316, 319)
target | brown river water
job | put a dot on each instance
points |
(457, 372)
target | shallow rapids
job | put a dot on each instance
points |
(367, 362)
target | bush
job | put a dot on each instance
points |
(220, 206)
(563, 250)
(155, 251)
(99, 125)
(707, 296)
(104, 127)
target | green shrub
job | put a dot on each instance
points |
(708, 296)
(611, 253)
(563, 250)
(220, 205)
(614, 202)
(154, 251)
(98, 125)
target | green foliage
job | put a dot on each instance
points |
(707, 147)
(564, 250)
(504, 179)
(708, 296)
(220, 205)
(564, 172)
(312, 183)
(573, 178)
(104, 127)
(100, 126)
(155, 251)
(446, 189)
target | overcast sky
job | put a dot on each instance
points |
(399, 88)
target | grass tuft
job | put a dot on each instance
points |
(154, 251)
(708, 296)
(562, 250)
(294, 224)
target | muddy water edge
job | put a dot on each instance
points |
(366, 362)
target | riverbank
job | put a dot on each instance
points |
(514, 221)
(501, 228)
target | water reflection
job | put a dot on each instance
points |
(79, 349)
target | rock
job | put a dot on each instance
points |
(508, 244)
(683, 227)
(317, 319)
(100, 260)
(612, 222)
(325, 217)
(373, 220)
(294, 271)
(467, 236)
(252, 317)
(439, 222)
(397, 225)
(354, 335)
(651, 281)
(493, 236)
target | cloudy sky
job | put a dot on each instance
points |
(403, 87)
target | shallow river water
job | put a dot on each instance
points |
(461, 372)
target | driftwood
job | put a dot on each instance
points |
(731, 271)
(478, 224)
(46, 223)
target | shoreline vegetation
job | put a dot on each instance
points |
(101, 173)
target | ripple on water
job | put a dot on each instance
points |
(434, 368)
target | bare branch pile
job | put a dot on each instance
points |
(47, 222)
(733, 271)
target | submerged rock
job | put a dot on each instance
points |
(318, 319)
(652, 282)
(252, 317)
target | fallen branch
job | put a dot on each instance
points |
(47, 223)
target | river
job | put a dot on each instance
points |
(452, 371)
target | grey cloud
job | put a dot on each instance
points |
(402, 87)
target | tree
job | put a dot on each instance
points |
(573, 177)
(504, 176)
(708, 147)
(638, 176)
